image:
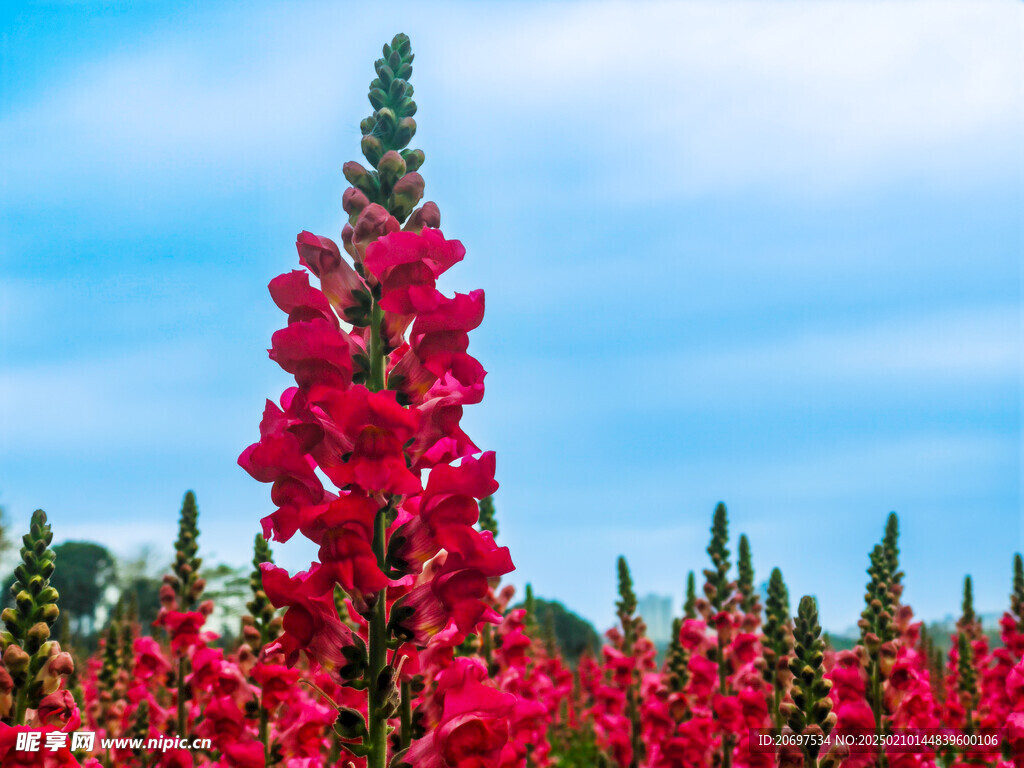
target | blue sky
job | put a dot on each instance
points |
(762, 252)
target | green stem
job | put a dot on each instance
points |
(377, 725)
(634, 725)
(21, 705)
(376, 382)
(876, 708)
(487, 647)
(265, 734)
(181, 696)
(723, 689)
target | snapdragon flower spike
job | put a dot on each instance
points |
(382, 373)
(810, 712)
(261, 625)
(749, 602)
(631, 636)
(34, 664)
(690, 604)
(777, 642)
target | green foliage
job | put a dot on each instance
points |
(144, 593)
(574, 635)
(577, 748)
(86, 571)
(6, 544)
(488, 518)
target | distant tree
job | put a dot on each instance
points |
(6, 544)
(140, 578)
(146, 591)
(84, 573)
(573, 633)
(228, 587)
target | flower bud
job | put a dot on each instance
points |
(405, 131)
(426, 215)
(353, 201)
(391, 168)
(372, 149)
(350, 724)
(39, 633)
(15, 660)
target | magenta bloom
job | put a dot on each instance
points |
(474, 724)
(311, 621)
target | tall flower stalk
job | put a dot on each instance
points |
(777, 643)
(810, 712)
(626, 609)
(34, 662)
(382, 373)
(719, 591)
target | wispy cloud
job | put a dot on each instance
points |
(151, 399)
(668, 98)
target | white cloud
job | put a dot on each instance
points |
(982, 344)
(646, 99)
(946, 358)
(144, 399)
(705, 95)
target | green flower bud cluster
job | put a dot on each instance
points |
(749, 602)
(188, 586)
(112, 656)
(810, 712)
(677, 660)
(878, 629)
(26, 645)
(140, 727)
(394, 182)
(717, 586)
(777, 642)
(876, 622)
(261, 625)
(966, 677)
(690, 606)
(969, 623)
(626, 606)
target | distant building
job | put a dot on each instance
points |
(656, 611)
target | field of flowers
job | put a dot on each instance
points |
(399, 646)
